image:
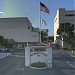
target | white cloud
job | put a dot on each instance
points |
(1, 12)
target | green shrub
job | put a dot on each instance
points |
(73, 47)
(38, 65)
(58, 46)
(73, 54)
(65, 49)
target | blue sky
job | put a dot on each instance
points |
(31, 9)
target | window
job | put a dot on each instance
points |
(70, 15)
(28, 27)
(34, 36)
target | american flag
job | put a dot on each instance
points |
(44, 8)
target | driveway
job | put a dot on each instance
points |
(14, 65)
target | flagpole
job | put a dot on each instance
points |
(40, 25)
(44, 9)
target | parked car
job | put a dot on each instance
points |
(2, 49)
(8, 50)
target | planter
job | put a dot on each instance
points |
(39, 65)
(73, 54)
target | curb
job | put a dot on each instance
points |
(72, 56)
(39, 68)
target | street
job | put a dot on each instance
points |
(14, 65)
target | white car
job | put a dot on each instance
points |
(2, 49)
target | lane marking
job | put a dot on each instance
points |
(20, 69)
(17, 55)
(70, 64)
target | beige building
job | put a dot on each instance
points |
(20, 29)
(63, 16)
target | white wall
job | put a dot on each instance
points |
(38, 57)
(2, 55)
(49, 57)
(27, 56)
(20, 34)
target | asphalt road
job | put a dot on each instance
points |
(14, 65)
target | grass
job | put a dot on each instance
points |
(38, 65)
(73, 54)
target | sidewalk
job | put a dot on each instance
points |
(2, 55)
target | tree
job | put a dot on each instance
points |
(66, 31)
(9, 43)
(51, 38)
(1, 40)
(6, 42)
(44, 36)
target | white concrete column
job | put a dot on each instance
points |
(49, 57)
(27, 56)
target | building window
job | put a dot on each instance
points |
(70, 15)
(28, 27)
(55, 19)
(34, 36)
